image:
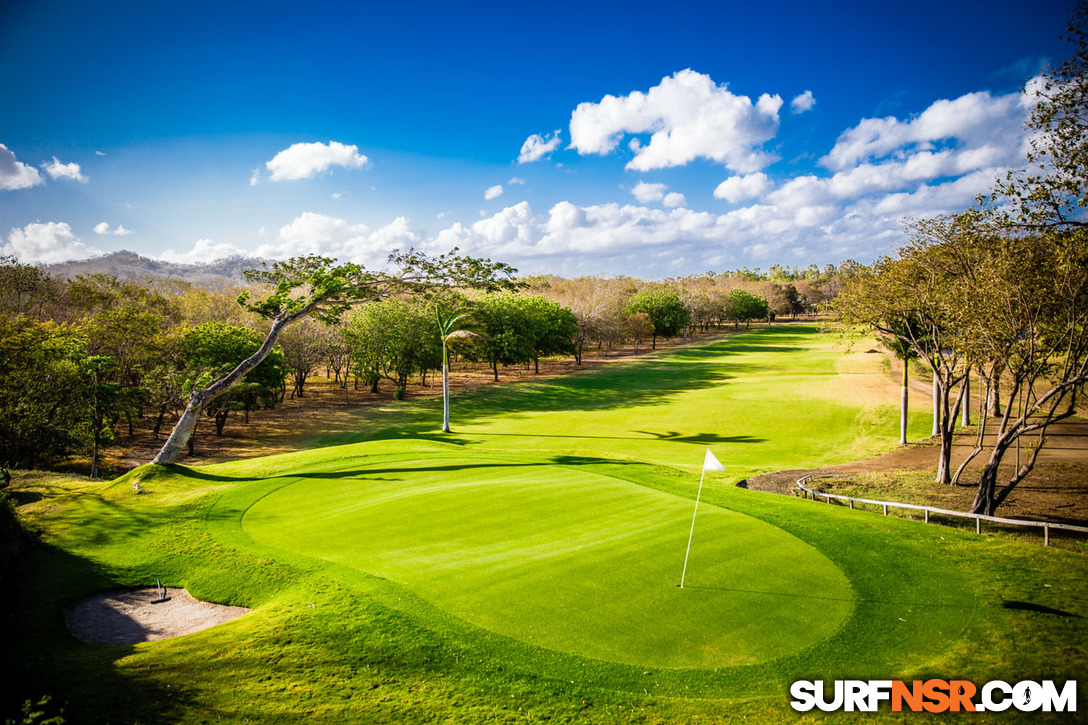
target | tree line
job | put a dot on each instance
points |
(87, 359)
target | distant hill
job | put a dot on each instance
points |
(129, 265)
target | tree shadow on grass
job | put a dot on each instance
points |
(795, 595)
(190, 472)
(371, 472)
(1031, 607)
(643, 383)
(700, 437)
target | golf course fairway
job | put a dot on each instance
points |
(773, 398)
(565, 558)
(524, 567)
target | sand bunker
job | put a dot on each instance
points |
(129, 616)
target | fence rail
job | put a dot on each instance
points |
(1046, 526)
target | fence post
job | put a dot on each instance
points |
(978, 524)
(885, 509)
(851, 504)
(927, 516)
(1046, 534)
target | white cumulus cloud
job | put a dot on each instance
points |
(204, 250)
(803, 102)
(537, 147)
(307, 160)
(674, 199)
(312, 233)
(972, 121)
(46, 243)
(689, 116)
(647, 193)
(739, 188)
(493, 192)
(14, 174)
(58, 170)
(104, 228)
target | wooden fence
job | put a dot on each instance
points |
(1046, 526)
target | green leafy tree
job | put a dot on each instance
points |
(42, 404)
(743, 306)
(509, 332)
(25, 289)
(102, 399)
(395, 338)
(318, 286)
(551, 327)
(667, 312)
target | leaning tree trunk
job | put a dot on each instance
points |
(984, 497)
(183, 431)
(200, 399)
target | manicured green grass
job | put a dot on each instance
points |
(413, 578)
(781, 397)
(565, 558)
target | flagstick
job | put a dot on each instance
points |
(688, 552)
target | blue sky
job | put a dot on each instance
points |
(572, 138)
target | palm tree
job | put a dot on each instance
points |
(450, 328)
(902, 350)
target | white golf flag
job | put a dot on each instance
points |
(710, 463)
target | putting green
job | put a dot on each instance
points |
(565, 558)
